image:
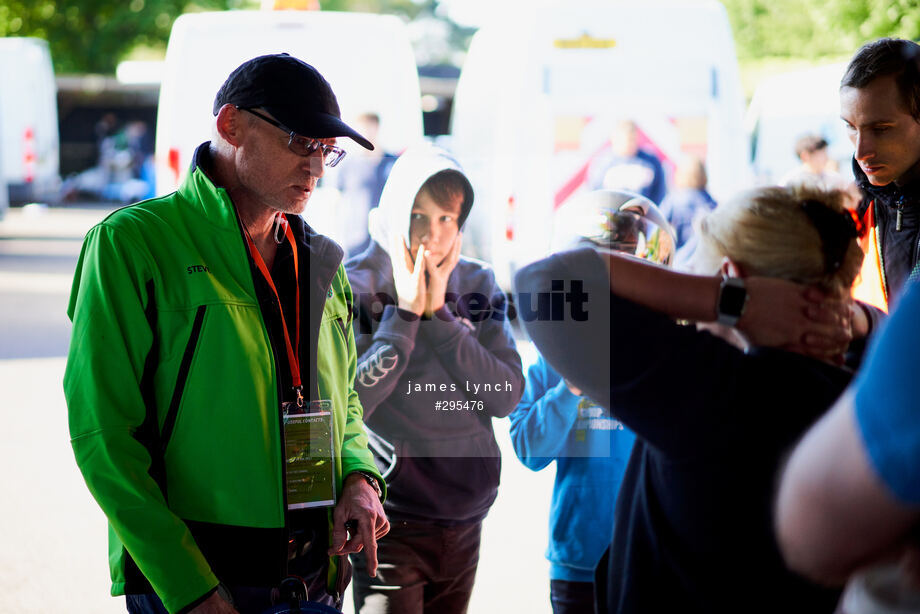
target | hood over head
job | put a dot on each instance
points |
(409, 173)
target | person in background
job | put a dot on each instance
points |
(124, 170)
(555, 422)
(102, 130)
(627, 166)
(689, 198)
(713, 406)
(361, 182)
(437, 361)
(815, 171)
(880, 105)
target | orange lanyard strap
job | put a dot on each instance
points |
(291, 353)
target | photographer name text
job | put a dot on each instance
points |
(469, 387)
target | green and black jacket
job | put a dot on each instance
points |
(173, 395)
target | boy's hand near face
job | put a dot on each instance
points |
(409, 277)
(438, 275)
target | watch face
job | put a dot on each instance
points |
(731, 300)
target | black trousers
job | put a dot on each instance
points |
(571, 597)
(422, 569)
(308, 561)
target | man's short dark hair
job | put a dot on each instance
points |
(446, 185)
(885, 57)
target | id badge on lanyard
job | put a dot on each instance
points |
(309, 457)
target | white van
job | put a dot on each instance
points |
(4, 192)
(787, 106)
(367, 59)
(29, 137)
(541, 91)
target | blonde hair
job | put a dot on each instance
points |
(768, 233)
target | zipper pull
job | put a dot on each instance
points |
(298, 402)
(281, 225)
(900, 210)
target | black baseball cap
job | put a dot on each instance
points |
(292, 91)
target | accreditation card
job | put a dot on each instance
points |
(308, 454)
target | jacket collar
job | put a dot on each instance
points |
(203, 194)
(888, 194)
(323, 254)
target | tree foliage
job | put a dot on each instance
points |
(817, 28)
(410, 9)
(94, 35)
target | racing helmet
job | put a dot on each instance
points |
(615, 220)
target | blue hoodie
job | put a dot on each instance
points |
(463, 357)
(591, 450)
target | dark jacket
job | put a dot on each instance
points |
(693, 527)
(449, 462)
(641, 173)
(900, 249)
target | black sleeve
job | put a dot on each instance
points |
(669, 383)
(857, 348)
(876, 317)
(575, 340)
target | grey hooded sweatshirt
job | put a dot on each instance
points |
(431, 386)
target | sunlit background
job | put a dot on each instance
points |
(102, 101)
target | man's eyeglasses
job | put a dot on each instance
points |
(304, 145)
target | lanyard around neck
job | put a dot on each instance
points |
(292, 349)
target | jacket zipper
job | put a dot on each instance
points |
(916, 254)
(286, 513)
(181, 378)
(284, 546)
(913, 272)
(900, 205)
(881, 262)
(279, 391)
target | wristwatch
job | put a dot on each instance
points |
(372, 480)
(733, 298)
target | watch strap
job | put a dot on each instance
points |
(733, 298)
(371, 479)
